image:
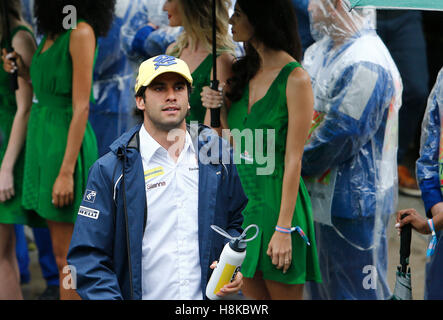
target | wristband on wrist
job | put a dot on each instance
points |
(284, 230)
(290, 230)
(433, 242)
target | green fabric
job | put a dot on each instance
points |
(11, 211)
(201, 77)
(51, 114)
(406, 4)
(265, 191)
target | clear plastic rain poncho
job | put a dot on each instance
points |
(111, 114)
(430, 175)
(350, 158)
(141, 41)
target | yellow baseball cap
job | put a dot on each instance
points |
(155, 66)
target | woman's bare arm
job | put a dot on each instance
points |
(82, 50)
(300, 103)
(25, 46)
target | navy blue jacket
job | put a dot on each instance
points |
(428, 165)
(106, 246)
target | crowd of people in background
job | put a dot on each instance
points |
(344, 92)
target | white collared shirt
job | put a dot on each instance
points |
(170, 249)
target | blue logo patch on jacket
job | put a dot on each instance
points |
(90, 196)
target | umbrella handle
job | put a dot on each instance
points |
(215, 112)
(13, 81)
(405, 244)
(13, 77)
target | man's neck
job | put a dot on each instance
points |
(173, 140)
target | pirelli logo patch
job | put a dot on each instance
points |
(88, 212)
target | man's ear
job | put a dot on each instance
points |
(140, 101)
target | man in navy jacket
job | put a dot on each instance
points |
(107, 253)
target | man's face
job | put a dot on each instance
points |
(242, 30)
(165, 103)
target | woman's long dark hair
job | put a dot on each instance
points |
(275, 25)
(13, 9)
(98, 13)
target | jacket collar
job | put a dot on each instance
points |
(201, 136)
(129, 139)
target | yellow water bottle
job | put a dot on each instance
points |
(231, 259)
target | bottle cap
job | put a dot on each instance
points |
(237, 245)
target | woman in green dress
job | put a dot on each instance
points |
(14, 113)
(60, 143)
(194, 46)
(271, 102)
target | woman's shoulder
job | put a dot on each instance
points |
(298, 75)
(82, 33)
(298, 86)
(22, 34)
(22, 29)
(83, 28)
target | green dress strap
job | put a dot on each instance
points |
(14, 32)
(21, 28)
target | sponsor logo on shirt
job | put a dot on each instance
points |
(150, 186)
(152, 173)
(193, 169)
(88, 212)
(90, 196)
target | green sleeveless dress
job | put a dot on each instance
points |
(11, 211)
(201, 77)
(51, 114)
(264, 189)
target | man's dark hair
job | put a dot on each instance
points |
(275, 25)
(98, 13)
(138, 114)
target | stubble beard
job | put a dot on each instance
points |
(167, 126)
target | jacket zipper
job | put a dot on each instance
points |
(128, 246)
